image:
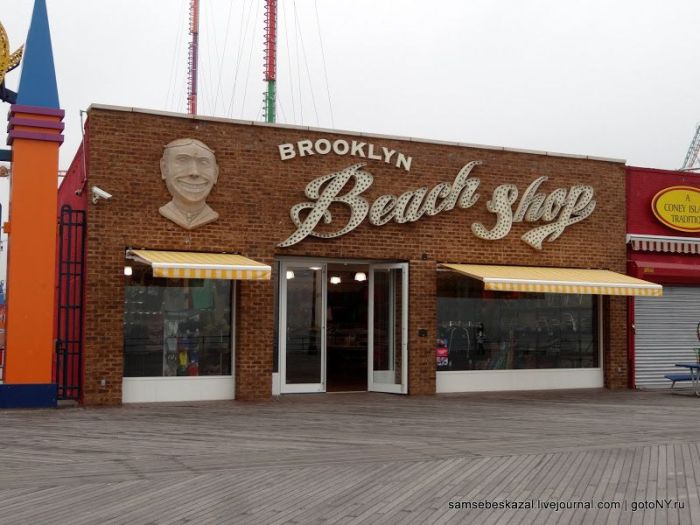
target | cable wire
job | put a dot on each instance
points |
(210, 33)
(296, 43)
(308, 71)
(250, 58)
(323, 58)
(173, 68)
(223, 54)
(241, 42)
(289, 63)
(284, 116)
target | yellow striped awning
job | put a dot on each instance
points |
(555, 280)
(195, 265)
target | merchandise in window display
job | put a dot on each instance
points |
(176, 327)
(442, 354)
(487, 330)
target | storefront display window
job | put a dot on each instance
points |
(485, 330)
(176, 327)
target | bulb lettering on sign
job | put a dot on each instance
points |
(578, 205)
(335, 182)
(503, 198)
(561, 208)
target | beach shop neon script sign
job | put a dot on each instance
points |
(560, 208)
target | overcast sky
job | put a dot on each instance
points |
(617, 79)
(606, 78)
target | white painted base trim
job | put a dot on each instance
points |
(190, 388)
(384, 377)
(275, 383)
(303, 388)
(503, 380)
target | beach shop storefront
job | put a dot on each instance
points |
(383, 263)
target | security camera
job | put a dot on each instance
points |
(99, 193)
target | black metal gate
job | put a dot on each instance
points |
(69, 297)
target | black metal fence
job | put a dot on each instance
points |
(70, 293)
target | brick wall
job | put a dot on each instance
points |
(253, 196)
(254, 339)
(422, 313)
(615, 359)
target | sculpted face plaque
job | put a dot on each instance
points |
(189, 170)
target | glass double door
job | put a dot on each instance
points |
(304, 326)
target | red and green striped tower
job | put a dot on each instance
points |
(193, 58)
(270, 59)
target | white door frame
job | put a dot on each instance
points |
(300, 388)
(391, 388)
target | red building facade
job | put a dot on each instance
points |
(663, 246)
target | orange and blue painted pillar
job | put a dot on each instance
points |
(35, 135)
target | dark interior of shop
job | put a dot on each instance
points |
(347, 329)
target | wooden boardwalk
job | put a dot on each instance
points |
(356, 459)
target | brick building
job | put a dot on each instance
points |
(394, 264)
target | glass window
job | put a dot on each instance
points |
(303, 361)
(176, 327)
(485, 330)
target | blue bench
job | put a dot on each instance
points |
(674, 378)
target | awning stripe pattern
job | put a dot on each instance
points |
(556, 280)
(194, 273)
(657, 243)
(195, 265)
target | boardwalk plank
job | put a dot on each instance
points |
(352, 459)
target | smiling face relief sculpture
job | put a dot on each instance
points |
(189, 170)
